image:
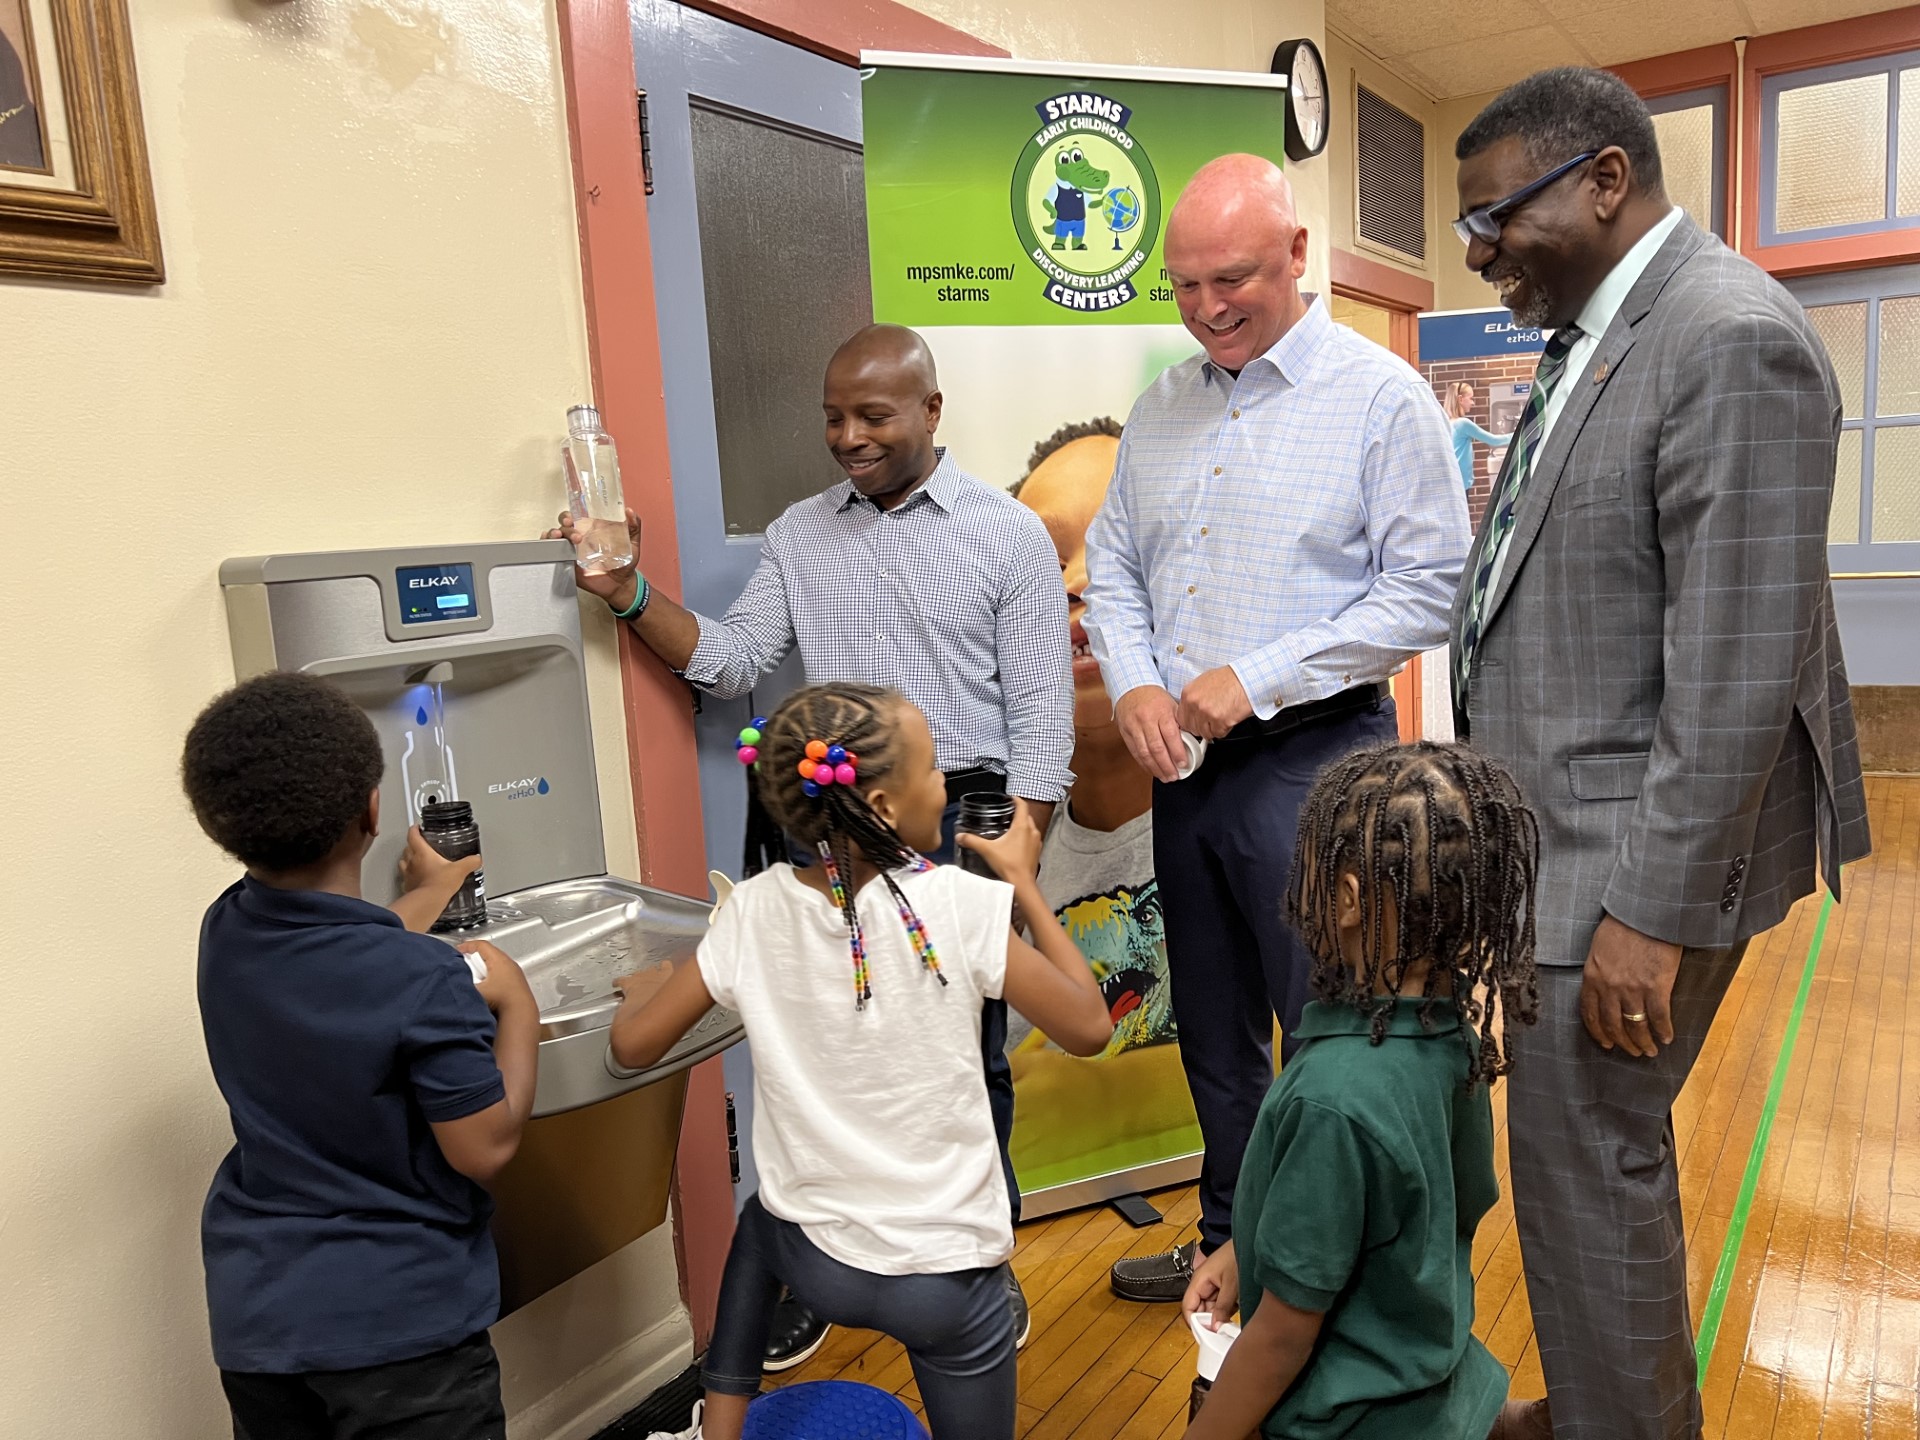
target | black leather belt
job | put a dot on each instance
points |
(976, 780)
(1285, 722)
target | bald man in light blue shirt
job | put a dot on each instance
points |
(1284, 531)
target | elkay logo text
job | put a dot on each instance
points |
(526, 789)
(431, 582)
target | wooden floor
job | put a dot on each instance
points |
(1820, 1334)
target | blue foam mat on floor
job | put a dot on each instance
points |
(832, 1410)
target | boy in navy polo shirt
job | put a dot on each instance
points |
(374, 1088)
(1371, 1161)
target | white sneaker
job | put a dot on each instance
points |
(690, 1434)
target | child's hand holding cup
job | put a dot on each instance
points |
(497, 975)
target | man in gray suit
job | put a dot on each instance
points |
(1645, 635)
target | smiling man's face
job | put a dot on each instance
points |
(1236, 278)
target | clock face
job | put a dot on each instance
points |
(1307, 93)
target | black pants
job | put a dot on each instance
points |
(956, 1326)
(1223, 852)
(451, 1394)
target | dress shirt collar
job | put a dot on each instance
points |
(1606, 300)
(1292, 354)
(942, 487)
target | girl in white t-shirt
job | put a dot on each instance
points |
(860, 981)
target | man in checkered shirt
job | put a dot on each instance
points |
(1284, 531)
(910, 574)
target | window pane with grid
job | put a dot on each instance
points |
(1831, 166)
(1907, 194)
(1897, 386)
(1896, 485)
(1686, 159)
(1843, 524)
(1843, 330)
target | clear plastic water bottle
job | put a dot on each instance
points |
(594, 498)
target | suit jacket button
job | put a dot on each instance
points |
(1726, 906)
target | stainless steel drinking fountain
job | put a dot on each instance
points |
(467, 659)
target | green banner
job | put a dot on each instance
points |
(1024, 199)
(1008, 210)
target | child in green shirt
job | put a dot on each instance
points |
(1371, 1162)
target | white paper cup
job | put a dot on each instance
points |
(1213, 1344)
(1196, 752)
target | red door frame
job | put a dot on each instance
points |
(623, 343)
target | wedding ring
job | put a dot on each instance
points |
(1636, 1019)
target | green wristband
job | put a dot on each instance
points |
(639, 606)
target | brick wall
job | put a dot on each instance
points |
(1481, 374)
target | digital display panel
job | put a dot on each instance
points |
(436, 592)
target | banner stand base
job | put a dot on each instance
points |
(1136, 1211)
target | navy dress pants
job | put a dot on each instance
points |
(1223, 852)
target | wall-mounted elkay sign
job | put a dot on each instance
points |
(1474, 335)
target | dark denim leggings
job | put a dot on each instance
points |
(957, 1326)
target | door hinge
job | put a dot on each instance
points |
(733, 1141)
(646, 141)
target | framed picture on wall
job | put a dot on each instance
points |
(76, 196)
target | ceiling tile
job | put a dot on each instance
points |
(1472, 67)
(1613, 31)
(1770, 16)
(1393, 28)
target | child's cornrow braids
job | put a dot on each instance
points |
(1442, 834)
(837, 821)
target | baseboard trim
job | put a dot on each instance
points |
(603, 1392)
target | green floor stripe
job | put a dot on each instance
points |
(1737, 1230)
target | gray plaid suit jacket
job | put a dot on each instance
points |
(1660, 667)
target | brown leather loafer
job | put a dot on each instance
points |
(1156, 1278)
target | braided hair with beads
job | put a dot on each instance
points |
(1445, 851)
(835, 818)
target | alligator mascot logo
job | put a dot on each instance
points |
(1086, 203)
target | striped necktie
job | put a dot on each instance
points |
(1513, 478)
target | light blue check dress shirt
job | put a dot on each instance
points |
(1302, 522)
(953, 597)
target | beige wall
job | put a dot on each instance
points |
(371, 329)
(1459, 288)
(1202, 34)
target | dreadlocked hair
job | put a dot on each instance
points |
(1440, 840)
(838, 822)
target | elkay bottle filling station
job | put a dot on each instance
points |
(467, 659)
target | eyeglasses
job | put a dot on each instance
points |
(1484, 224)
